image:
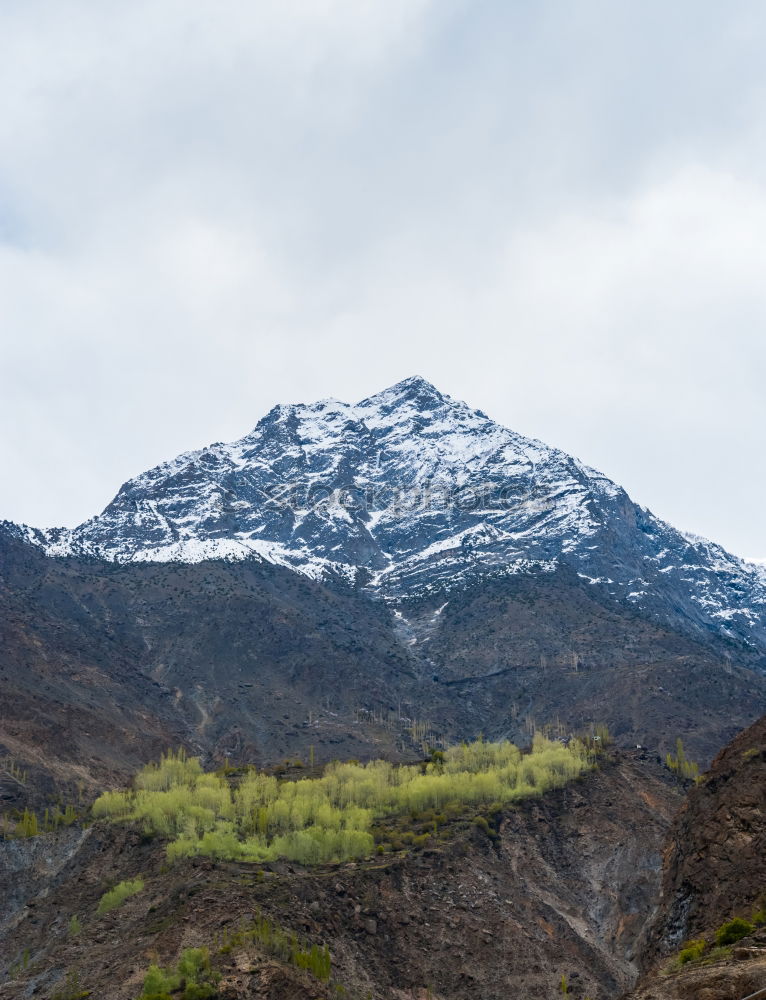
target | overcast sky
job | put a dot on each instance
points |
(555, 211)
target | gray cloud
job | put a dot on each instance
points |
(555, 211)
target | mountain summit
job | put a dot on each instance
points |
(411, 491)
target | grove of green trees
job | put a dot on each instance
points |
(314, 820)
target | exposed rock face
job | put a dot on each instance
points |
(715, 870)
(409, 490)
(734, 979)
(30, 869)
(715, 867)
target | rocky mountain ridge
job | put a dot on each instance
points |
(410, 491)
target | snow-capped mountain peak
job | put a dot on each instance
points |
(410, 490)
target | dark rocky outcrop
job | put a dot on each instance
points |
(714, 871)
(716, 858)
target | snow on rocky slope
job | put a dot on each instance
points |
(411, 490)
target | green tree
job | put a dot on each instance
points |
(27, 825)
(733, 931)
(686, 769)
(117, 896)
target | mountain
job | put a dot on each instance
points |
(103, 664)
(410, 492)
(367, 582)
(230, 602)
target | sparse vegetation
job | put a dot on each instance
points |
(412, 732)
(602, 735)
(704, 952)
(192, 978)
(71, 989)
(21, 964)
(692, 951)
(27, 824)
(14, 769)
(75, 926)
(680, 765)
(328, 819)
(117, 896)
(482, 823)
(283, 945)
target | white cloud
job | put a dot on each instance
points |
(555, 214)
